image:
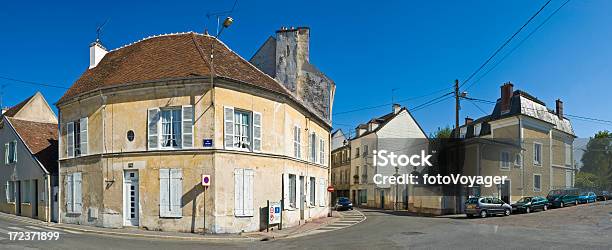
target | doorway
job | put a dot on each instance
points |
(382, 199)
(18, 197)
(130, 198)
(34, 201)
(54, 204)
(505, 191)
(302, 197)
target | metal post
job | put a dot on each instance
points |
(204, 212)
(280, 225)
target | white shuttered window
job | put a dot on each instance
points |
(170, 192)
(243, 192)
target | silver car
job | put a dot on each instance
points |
(485, 206)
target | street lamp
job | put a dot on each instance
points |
(396, 188)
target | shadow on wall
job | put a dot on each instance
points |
(192, 196)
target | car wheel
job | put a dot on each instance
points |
(545, 207)
(507, 212)
(483, 214)
(527, 210)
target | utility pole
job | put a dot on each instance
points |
(457, 107)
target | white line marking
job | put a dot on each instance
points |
(43, 229)
(4, 231)
(16, 228)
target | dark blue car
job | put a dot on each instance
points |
(343, 203)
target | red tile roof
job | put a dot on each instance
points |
(41, 139)
(169, 56)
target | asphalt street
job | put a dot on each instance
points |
(583, 227)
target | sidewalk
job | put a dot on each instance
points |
(141, 233)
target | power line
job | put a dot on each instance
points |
(518, 45)
(482, 110)
(504, 44)
(32, 83)
(439, 101)
(430, 102)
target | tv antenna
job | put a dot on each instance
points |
(99, 30)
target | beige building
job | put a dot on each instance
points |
(341, 170)
(145, 122)
(523, 140)
(28, 132)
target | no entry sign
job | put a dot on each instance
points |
(205, 180)
(330, 189)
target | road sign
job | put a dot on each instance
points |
(330, 188)
(207, 143)
(205, 180)
(274, 213)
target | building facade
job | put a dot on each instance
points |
(29, 174)
(147, 121)
(340, 171)
(521, 139)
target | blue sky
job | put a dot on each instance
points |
(368, 48)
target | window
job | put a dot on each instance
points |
(364, 176)
(10, 191)
(537, 182)
(365, 150)
(170, 128)
(292, 191)
(10, 152)
(518, 160)
(356, 152)
(321, 151)
(346, 175)
(568, 154)
(313, 147)
(77, 137)
(297, 142)
(243, 192)
(363, 196)
(537, 153)
(356, 176)
(504, 160)
(73, 193)
(333, 178)
(313, 186)
(170, 192)
(26, 191)
(243, 129)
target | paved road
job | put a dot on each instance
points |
(582, 227)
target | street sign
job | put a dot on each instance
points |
(330, 189)
(274, 213)
(205, 180)
(207, 143)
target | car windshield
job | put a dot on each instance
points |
(584, 193)
(343, 199)
(555, 192)
(472, 201)
(525, 200)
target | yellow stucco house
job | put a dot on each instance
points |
(146, 121)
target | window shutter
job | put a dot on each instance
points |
(7, 191)
(307, 190)
(188, 126)
(256, 131)
(321, 151)
(164, 192)
(69, 194)
(228, 113)
(14, 151)
(6, 153)
(70, 139)
(298, 192)
(83, 133)
(152, 128)
(286, 191)
(176, 192)
(248, 191)
(78, 197)
(238, 192)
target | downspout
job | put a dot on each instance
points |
(59, 172)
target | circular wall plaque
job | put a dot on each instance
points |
(130, 135)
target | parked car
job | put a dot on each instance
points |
(528, 204)
(343, 203)
(563, 197)
(485, 206)
(603, 195)
(586, 197)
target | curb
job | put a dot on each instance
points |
(306, 233)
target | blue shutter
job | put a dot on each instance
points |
(152, 128)
(257, 131)
(69, 194)
(70, 139)
(78, 193)
(84, 139)
(228, 113)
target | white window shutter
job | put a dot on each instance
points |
(228, 113)
(78, 192)
(152, 128)
(69, 194)
(14, 151)
(7, 191)
(164, 192)
(307, 190)
(70, 139)
(239, 192)
(298, 192)
(257, 121)
(176, 192)
(286, 191)
(6, 153)
(321, 151)
(84, 135)
(187, 120)
(249, 175)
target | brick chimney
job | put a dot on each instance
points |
(468, 121)
(559, 108)
(396, 108)
(506, 96)
(96, 53)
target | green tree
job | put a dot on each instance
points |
(597, 159)
(444, 133)
(586, 180)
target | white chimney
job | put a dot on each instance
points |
(96, 53)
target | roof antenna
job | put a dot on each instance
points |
(99, 30)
